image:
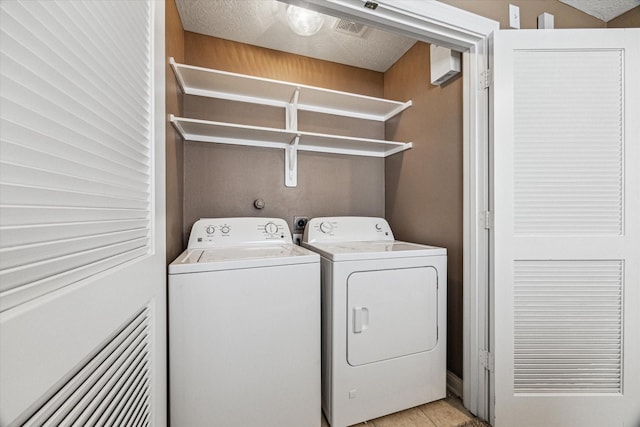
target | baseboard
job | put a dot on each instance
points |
(454, 384)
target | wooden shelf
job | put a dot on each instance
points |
(256, 136)
(239, 87)
(293, 98)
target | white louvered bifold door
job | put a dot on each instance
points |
(82, 272)
(75, 167)
(566, 246)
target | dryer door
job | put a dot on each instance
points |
(391, 313)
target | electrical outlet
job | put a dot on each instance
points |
(299, 222)
(514, 17)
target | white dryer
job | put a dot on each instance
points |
(384, 319)
(244, 327)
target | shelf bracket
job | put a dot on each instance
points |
(178, 74)
(291, 111)
(291, 163)
(291, 152)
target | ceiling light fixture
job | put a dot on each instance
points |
(303, 21)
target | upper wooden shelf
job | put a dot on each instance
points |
(239, 87)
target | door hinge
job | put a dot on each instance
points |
(486, 79)
(486, 360)
(486, 220)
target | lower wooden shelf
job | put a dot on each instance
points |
(289, 140)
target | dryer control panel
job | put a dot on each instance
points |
(347, 229)
(217, 232)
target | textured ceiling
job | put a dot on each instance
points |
(604, 10)
(264, 23)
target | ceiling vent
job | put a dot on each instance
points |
(349, 27)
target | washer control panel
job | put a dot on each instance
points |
(326, 227)
(347, 229)
(216, 232)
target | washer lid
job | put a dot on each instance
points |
(237, 257)
(350, 251)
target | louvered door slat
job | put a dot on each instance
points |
(119, 382)
(127, 400)
(95, 381)
(77, 262)
(111, 386)
(85, 394)
(136, 403)
(568, 166)
(554, 327)
(14, 236)
(103, 381)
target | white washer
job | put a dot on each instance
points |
(244, 327)
(384, 319)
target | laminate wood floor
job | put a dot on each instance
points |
(447, 412)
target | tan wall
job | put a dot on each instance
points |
(630, 19)
(222, 181)
(565, 16)
(424, 184)
(174, 146)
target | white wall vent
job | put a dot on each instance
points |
(345, 26)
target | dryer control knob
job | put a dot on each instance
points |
(378, 227)
(326, 227)
(271, 228)
(225, 229)
(210, 229)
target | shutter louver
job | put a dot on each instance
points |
(568, 326)
(568, 166)
(111, 389)
(75, 142)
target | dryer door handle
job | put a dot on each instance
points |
(360, 319)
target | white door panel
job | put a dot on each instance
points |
(82, 292)
(566, 253)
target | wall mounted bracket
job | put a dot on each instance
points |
(291, 163)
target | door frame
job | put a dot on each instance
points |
(462, 31)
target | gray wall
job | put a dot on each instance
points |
(424, 185)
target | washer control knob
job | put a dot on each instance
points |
(210, 229)
(326, 227)
(378, 227)
(271, 228)
(225, 229)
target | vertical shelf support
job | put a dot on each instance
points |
(291, 111)
(291, 163)
(291, 152)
